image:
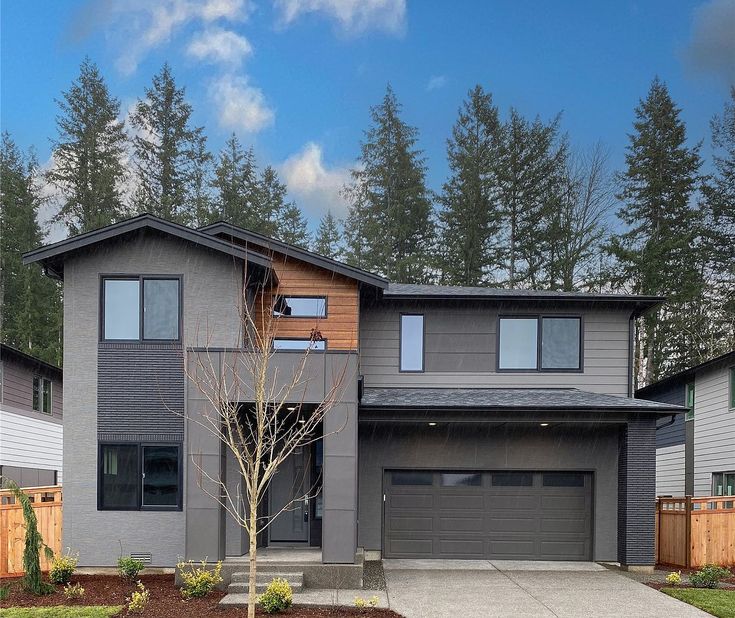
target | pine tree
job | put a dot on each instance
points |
(278, 218)
(88, 154)
(30, 315)
(202, 207)
(469, 219)
(237, 185)
(393, 203)
(166, 147)
(660, 252)
(292, 226)
(327, 240)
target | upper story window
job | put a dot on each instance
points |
(141, 308)
(42, 394)
(540, 343)
(689, 401)
(731, 380)
(299, 344)
(412, 342)
(300, 307)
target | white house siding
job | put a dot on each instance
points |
(30, 442)
(714, 428)
(670, 470)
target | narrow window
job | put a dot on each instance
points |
(512, 479)
(161, 476)
(412, 478)
(732, 387)
(412, 343)
(42, 401)
(563, 479)
(301, 307)
(690, 401)
(122, 309)
(299, 344)
(560, 343)
(119, 477)
(461, 479)
(161, 309)
(518, 346)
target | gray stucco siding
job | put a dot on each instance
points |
(461, 343)
(384, 446)
(207, 276)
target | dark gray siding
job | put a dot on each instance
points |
(674, 434)
(140, 392)
(17, 386)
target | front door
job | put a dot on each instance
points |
(290, 485)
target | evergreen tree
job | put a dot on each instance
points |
(469, 219)
(30, 315)
(166, 147)
(202, 203)
(393, 204)
(238, 190)
(272, 207)
(88, 154)
(292, 226)
(327, 240)
(659, 253)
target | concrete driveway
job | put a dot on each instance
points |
(508, 588)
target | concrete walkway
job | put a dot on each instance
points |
(507, 588)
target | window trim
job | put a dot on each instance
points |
(690, 387)
(305, 317)
(731, 387)
(325, 341)
(400, 342)
(42, 380)
(712, 481)
(539, 317)
(141, 306)
(139, 473)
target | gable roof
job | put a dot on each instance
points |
(7, 351)
(221, 228)
(686, 373)
(52, 255)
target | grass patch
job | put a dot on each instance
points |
(720, 603)
(92, 611)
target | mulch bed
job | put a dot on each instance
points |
(726, 584)
(166, 601)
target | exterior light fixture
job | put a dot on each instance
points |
(544, 424)
(432, 424)
(291, 408)
(301, 420)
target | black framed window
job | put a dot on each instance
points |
(412, 342)
(299, 344)
(139, 308)
(300, 307)
(139, 476)
(540, 343)
(42, 396)
(689, 394)
(723, 484)
(731, 380)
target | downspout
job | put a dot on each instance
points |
(668, 423)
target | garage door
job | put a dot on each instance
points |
(488, 514)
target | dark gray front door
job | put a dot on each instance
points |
(290, 485)
(488, 515)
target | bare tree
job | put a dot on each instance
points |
(258, 414)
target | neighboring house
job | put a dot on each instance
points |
(476, 422)
(695, 453)
(31, 432)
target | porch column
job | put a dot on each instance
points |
(637, 494)
(339, 517)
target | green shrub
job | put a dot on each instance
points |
(139, 599)
(129, 567)
(198, 581)
(4, 592)
(674, 578)
(62, 568)
(277, 596)
(708, 576)
(74, 591)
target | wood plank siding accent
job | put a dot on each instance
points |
(297, 278)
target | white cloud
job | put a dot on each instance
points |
(240, 106)
(436, 82)
(712, 45)
(314, 186)
(219, 46)
(352, 16)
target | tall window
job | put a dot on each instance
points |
(690, 401)
(139, 476)
(732, 387)
(412, 343)
(540, 343)
(141, 308)
(42, 395)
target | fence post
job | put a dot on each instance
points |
(688, 553)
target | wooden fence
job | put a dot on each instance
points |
(47, 506)
(692, 532)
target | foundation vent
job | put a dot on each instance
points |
(143, 556)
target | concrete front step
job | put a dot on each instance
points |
(239, 583)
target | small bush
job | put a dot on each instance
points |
(674, 578)
(708, 576)
(129, 567)
(62, 568)
(4, 592)
(198, 581)
(139, 599)
(366, 603)
(277, 597)
(74, 591)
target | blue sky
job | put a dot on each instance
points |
(295, 78)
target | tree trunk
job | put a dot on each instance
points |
(253, 534)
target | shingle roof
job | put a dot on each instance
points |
(686, 373)
(507, 398)
(409, 290)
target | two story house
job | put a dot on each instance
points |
(475, 422)
(695, 453)
(31, 430)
